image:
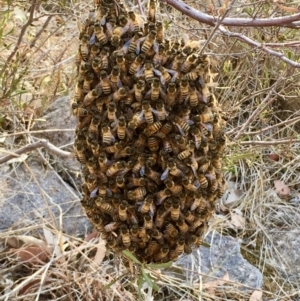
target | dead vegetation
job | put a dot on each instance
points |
(260, 96)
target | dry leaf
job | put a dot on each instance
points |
(32, 241)
(273, 157)
(91, 236)
(19, 159)
(213, 284)
(32, 254)
(256, 296)
(237, 220)
(281, 188)
(100, 254)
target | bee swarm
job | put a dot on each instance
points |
(148, 135)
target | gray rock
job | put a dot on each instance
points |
(222, 256)
(37, 197)
(57, 116)
(285, 255)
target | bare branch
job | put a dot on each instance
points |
(36, 132)
(259, 46)
(23, 30)
(268, 99)
(287, 21)
(271, 142)
(41, 143)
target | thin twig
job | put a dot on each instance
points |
(289, 121)
(271, 142)
(287, 21)
(41, 143)
(259, 109)
(23, 30)
(36, 132)
(259, 46)
(32, 43)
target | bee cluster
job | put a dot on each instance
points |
(148, 134)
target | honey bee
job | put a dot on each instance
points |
(194, 74)
(80, 152)
(159, 32)
(171, 94)
(221, 188)
(187, 65)
(152, 247)
(183, 89)
(188, 215)
(165, 130)
(135, 22)
(105, 206)
(115, 167)
(99, 105)
(89, 78)
(78, 94)
(152, 175)
(202, 180)
(158, 236)
(162, 253)
(152, 129)
(143, 236)
(151, 10)
(174, 170)
(116, 35)
(147, 205)
(121, 128)
(197, 136)
(217, 164)
(134, 44)
(111, 226)
(197, 201)
(188, 184)
(137, 194)
(182, 125)
(188, 152)
(141, 141)
(175, 209)
(107, 136)
(149, 42)
(122, 210)
(162, 195)
(84, 47)
(148, 72)
(114, 78)
(101, 36)
(91, 96)
(160, 217)
(182, 226)
(111, 242)
(105, 82)
(193, 95)
(175, 189)
(118, 146)
(139, 88)
(179, 248)
(167, 147)
(104, 53)
(96, 65)
(128, 167)
(160, 57)
(127, 151)
(91, 164)
(148, 221)
(125, 236)
(120, 60)
(198, 222)
(111, 112)
(153, 144)
(164, 74)
(134, 230)
(171, 230)
(136, 65)
(177, 61)
(139, 167)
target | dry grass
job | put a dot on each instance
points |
(259, 95)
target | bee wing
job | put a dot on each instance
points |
(126, 45)
(140, 71)
(165, 174)
(142, 171)
(208, 126)
(94, 192)
(126, 28)
(180, 130)
(92, 39)
(155, 46)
